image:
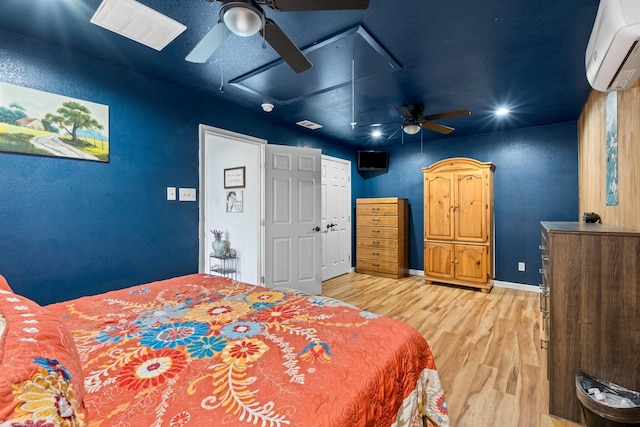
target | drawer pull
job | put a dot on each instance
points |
(376, 265)
(375, 209)
(375, 231)
(376, 242)
(375, 219)
(375, 253)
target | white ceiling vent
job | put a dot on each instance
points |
(137, 22)
(309, 124)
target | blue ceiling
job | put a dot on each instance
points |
(446, 54)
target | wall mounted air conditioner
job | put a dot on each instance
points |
(612, 59)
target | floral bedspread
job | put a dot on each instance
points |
(203, 351)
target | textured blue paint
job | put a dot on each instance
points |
(70, 228)
(536, 179)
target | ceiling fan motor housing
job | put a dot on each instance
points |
(244, 18)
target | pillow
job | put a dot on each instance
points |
(41, 379)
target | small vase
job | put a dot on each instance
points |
(218, 246)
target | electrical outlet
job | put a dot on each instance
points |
(187, 194)
(171, 193)
(521, 266)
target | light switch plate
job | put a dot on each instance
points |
(171, 193)
(521, 266)
(187, 194)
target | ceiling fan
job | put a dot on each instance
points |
(246, 18)
(414, 120)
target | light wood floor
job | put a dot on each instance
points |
(486, 346)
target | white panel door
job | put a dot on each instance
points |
(336, 217)
(292, 218)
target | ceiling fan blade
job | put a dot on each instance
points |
(205, 48)
(284, 46)
(299, 5)
(404, 112)
(440, 116)
(437, 128)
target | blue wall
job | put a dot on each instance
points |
(536, 179)
(70, 228)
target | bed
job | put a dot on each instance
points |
(199, 351)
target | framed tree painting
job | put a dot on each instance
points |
(46, 124)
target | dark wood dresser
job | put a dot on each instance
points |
(590, 306)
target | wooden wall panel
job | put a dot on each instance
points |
(592, 159)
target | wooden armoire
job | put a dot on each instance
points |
(458, 223)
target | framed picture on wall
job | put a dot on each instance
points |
(47, 124)
(234, 177)
(234, 201)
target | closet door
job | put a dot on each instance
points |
(336, 217)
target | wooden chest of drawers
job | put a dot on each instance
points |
(590, 305)
(382, 237)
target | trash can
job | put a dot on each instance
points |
(605, 404)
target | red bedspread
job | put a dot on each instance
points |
(202, 351)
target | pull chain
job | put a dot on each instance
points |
(353, 94)
(222, 68)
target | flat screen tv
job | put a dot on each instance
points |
(373, 160)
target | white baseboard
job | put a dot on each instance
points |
(517, 286)
(496, 283)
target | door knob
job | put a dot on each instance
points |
(316, 229)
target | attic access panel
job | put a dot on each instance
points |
(332, 68)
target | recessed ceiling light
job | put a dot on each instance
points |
(376, 134)
(502, 111)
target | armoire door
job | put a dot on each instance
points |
(471, 263)
(438, 212)
(439, 259)
(470, 207)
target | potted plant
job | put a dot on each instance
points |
(218, 244)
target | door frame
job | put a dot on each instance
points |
(203, 131)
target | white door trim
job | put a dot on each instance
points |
(203, 131)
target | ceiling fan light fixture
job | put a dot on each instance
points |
(243, 19)
(411, 128)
